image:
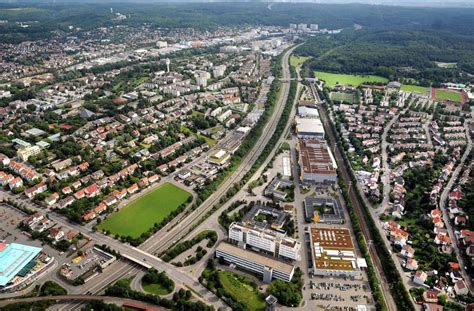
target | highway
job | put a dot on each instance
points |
(183, 228)
(384, 284)
(142, 255)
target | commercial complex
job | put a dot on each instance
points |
(323, 210)
(264, 240)
(268, 267)
(317, 165)
(19, 264)
(309, 128)
(334, 254)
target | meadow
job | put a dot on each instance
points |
(332, 79)
(142, 214)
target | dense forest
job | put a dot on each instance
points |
(56, 17)
(385, 52)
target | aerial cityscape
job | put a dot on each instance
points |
(236, 156)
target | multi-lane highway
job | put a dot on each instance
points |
(144, 254)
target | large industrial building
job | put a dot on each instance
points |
(268, 267)
(317, 165)
(334, 254)
(263, 240)
(309, 128)
(20, 263)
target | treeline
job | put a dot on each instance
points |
(205, 16)
(385, 52)
(184, 246)
(400, 294)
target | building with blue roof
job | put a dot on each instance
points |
(15, 258)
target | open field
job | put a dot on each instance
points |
(343, 97)
(239, 288)
(414, 89)
(141, 214)
(295, 60)
(332, 79)
(448, 95)
(155, 289)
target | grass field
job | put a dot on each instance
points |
(211, 142)
(155, 289)
(240, 289)
(448, 95)
(295, 60)
(343, 97)
(141, 214)
(332, 79)
(414, 89)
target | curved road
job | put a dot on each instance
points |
(160, 243)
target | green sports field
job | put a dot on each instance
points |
(448, 95)
(295, 60)
(332, 79)
(141, 214)
(343, 97)
(241, 290)
(414, 89)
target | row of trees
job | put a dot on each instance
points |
(184, 246)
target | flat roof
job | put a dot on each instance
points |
(315, 157)
(13, 257)
(257, 258)
(333, 249)
(329, 238)
(313, 126)
(312, 203)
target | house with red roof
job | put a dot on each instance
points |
(132, 189)
(15, 183)
(92, 191)
(89, 216)
(100, 208)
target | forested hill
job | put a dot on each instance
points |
(383, 51)
(54, 17)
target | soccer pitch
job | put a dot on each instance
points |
(453, 96)
(142, 214)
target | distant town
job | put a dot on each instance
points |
(150, 168)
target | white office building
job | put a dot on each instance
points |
(268, 267)
(264, 240)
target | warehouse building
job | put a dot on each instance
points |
(334, 253)
(317, 165)
(309, 128)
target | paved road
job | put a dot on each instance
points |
(386, 167)
(182, 229)
(442, 205)
(385, 287)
